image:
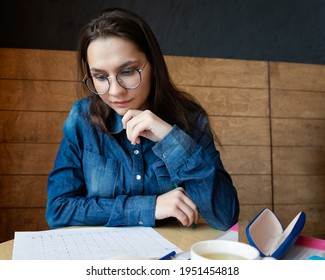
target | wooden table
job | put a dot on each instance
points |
(181, 236)
(6, 250)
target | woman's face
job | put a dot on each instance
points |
(113, 55)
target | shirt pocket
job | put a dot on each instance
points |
(162, 177)
(101, 174)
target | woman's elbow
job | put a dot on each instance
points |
(53, 216)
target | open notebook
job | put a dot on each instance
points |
(93, 243)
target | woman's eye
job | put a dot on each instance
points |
(127, 72)
(101, 78)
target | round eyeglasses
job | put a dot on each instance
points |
(129, 78)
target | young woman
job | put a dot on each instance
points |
(137, 149)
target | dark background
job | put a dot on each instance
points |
(273, 30)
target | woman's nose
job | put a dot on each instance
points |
(115, 88)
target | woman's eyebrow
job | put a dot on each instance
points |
(127, 63)
(123, 65)
(96, 70)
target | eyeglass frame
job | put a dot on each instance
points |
(139, 70)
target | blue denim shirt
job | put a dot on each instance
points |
(105, 180)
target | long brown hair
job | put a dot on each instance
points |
(165, 100)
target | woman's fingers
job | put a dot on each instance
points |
(177, 204)
(146, 124)
(128, 122)
(193, 210)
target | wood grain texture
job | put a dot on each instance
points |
(297, 104)
(193, 71)
(26, 158)
(23, 191)
(298, 152)
(218, 101)
(299, 189)
(253, 189)
(29, 64)
(31, 127)
(298, 132)
(21, 219)
(247, 159)
(299, 160)
(297, 76)
(31, 95)
(242, 131)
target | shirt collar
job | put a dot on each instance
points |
(115, 123)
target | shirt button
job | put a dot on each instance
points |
(164, 155)
(136, 152)
(140, 223)
(138, 177)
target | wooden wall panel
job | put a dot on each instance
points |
(254, 189)
(21, 219)
(298, 104)
(23, 191)
(299, 160)
(26, 158)
(31, 127)
(298, 134)
(31, 95)
(298, 189)
(192, 71)
(219, 101)
(241, 131)
(246, 159)
(296, 76)
(28, 64)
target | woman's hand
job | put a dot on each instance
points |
(146, 124)
(176, 203)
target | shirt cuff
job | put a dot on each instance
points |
(140, 211)
(175, 148)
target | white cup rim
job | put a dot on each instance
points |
(240, 249)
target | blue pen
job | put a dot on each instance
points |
(168, 256)
(316, 258)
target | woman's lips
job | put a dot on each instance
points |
(123, 103)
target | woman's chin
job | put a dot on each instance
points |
(121, 111)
